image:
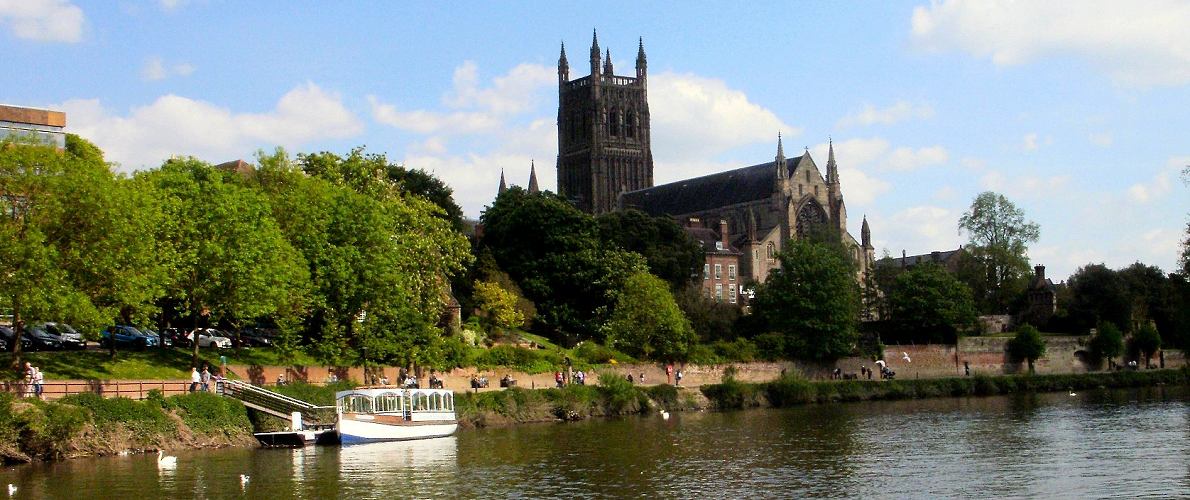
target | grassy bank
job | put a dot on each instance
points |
(89, 425)
(791, 390)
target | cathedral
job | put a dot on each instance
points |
(605, 163)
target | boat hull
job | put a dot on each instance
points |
(356, 431)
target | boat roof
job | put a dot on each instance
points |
(375, 390)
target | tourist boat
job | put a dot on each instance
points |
(385, 413)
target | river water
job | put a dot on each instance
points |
(1095, 444)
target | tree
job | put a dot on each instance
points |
(712, 320)
(1097, 294)
(1027, 345)
(497, 306)
(813, 300)
(1108, 341)
(554, 253)
(1146, 341)
(999, 237)
(669, 251)
(930, 304)
(647, 323)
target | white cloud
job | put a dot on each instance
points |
(900, 111)
(877, 152)
(172, 4)
(694, 118)
(513, 93)
(1024, 185)
(1029, 143)
(155, 69)
(916, 230)
(907, 159)
(1135, 44)
(43, 20)
(176, 125)
(1160, 185)
(859, 188)
(1102, 139)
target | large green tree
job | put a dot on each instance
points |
(1108, 341)
(999, 236)
(813, 300)
(930, 304)
(1097, 294)
(1027, 345)
(554, 252)
(647, 323)
(1146, 341)
(670, 252)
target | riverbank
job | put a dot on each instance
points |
(90, 425)
(792, 390)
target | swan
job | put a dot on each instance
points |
(166, 461)
(244, 478)
(664, 415)
(12, 489)
(1072, 394)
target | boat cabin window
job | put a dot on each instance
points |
(450, 402)
(389, 402)
(355, 404)
(421, 402)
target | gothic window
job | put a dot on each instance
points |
(772, 250)
(611, 123)
(809, 216)
(807, 175)
(630, 123)
(815, 190)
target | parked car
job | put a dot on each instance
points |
(3, 344)
(255, 337)
(207, 337)
(70, 338)
(161, 339)
(41, 340)
(6, 334)
(176, 337)
(126, 336)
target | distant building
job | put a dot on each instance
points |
(40, 124)
(722, 280)
(1043, 302)
(948, 259)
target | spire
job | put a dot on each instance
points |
(641, 63)
(533, 189)
(832, 169)
(594, 54)
(503, 185)
(865, 234)
(607, 64)
(563, 65)
(779, 161)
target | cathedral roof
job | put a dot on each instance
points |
(708, 238)
(709, 192)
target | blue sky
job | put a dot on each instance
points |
(1074, 110)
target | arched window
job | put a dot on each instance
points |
(808, 217)
(772, 249)
(612, 122)
(630, 125)
(355, 403)
(450, 402)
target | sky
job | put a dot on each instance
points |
(1075, 111)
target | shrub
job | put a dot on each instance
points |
(770, 346)
(205, 412)
(702, 354)
(739, 350)
(664, 394)
(597, 354)
(142, 417)
(790, 390)
(619, 395)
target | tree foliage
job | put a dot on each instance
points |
(498, 306)
(1108, 341)
(813, 300)
(929, 303)
(1027, 345)
(669, 251)
(647, 323)
(1146, 341)
(999, 237)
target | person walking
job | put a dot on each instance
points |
(38, 382)
(27, 391)
(678, 377)
(205, 378)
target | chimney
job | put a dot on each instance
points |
(1039, 271)
(904, 259)
(723, 231)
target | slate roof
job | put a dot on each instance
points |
(708, 238)
(708, 192)
(914, 260)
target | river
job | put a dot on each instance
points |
(1125, 443)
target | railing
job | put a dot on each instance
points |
(129, 389)
(276, 404)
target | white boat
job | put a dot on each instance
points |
(386, 413)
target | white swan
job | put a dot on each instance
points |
(12, 489)
(244, 478)
(166, 461)
(664, 415)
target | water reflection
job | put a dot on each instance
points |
(1099, 443)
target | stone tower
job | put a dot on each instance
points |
(603, 132)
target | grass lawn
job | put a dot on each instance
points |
(150, 364)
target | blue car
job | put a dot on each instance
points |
(126, 336)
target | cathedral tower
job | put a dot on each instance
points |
(603, 132)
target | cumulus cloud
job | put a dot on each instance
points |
(1140, 45)
(43, 20)
(917, 230)
(1161, 183)
(156, 69)
(695, 118)
(900, 111)
(878, 153)
(176, 125)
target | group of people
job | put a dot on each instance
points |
(34, 380)
(202, 380)
(579, 377)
